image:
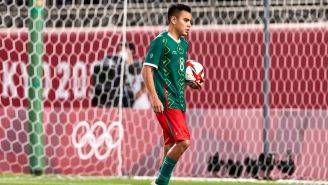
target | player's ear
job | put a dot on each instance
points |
(173, 19)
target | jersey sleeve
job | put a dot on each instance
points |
(154, 54)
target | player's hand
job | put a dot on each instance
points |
(157, 105)
(196, 84)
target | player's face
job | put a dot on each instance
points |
(183, 23)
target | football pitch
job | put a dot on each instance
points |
(68, 180)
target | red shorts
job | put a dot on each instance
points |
(173, 122)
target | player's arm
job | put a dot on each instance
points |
(151, 63)
(141, 91)
(147, 73)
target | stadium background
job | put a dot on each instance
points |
(225, 117)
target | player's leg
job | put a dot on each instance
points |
(170, 161)
(167, 147)
(178, 133)
(178, 149)
(168, 140)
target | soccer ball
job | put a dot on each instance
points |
(194, 71)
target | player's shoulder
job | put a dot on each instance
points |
(160, 37)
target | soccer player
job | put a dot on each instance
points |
(164, 75)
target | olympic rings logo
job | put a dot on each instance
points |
(96, 142)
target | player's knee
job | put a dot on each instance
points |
(185, 144)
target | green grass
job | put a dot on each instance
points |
(22, 179)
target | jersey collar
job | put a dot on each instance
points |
(177, 41)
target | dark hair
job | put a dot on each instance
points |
(177, 8)
(128, 45)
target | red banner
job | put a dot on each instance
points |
(233, 60)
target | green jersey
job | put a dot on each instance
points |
(169, 57)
